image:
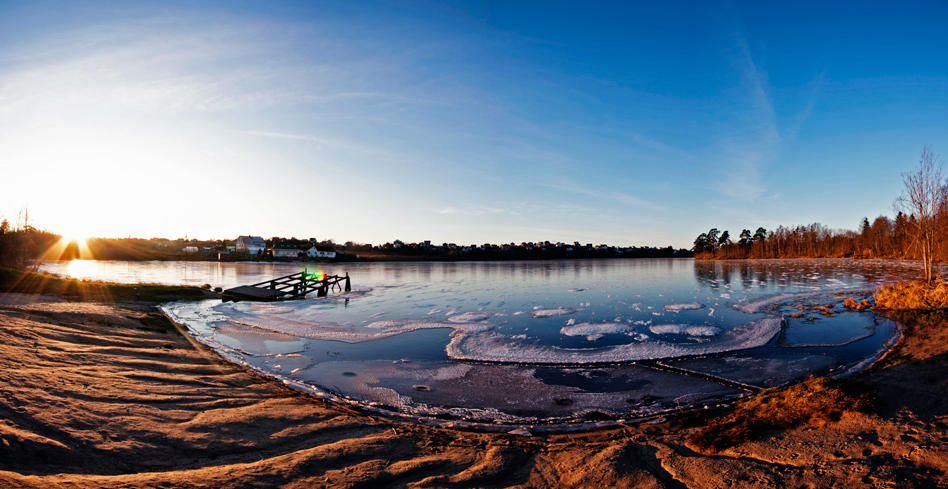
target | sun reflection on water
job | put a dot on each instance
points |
(81, 269)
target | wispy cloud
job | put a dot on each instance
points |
(620, 197)
(278, 135)
(756, 142)
(815, 87)
(476, 211)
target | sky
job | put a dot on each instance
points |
(627, 123)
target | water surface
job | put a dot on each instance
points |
(534, 343)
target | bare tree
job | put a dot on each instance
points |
(923, 197)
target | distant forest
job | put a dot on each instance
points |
(918, 232)
(882, 238)
(20, 241)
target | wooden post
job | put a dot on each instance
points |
(348, 285)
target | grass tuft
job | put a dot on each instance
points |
(814, 402)
(154, 321)
(913, 295)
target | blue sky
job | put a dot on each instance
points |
(621, 123)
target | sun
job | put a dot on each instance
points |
(71, 246)
(78, 238)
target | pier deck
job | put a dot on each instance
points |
(294, 286)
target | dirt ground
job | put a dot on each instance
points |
(101, 395)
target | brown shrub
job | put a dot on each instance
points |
(850, 303)
(814, 402)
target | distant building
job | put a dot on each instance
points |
(321, 252)
(190, 249)
(254, 245)
(285, 250)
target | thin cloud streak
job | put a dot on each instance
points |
(476, 211)
(622, 198)
(746, 156)
(278, 135)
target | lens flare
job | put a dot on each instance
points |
(69, 247)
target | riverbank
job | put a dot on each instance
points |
(106, 394)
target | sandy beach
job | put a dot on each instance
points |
(99, 394)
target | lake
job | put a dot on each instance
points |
(542, 345)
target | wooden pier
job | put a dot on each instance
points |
(290, 287)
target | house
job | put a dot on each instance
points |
(254, 245)
(321, 252)
(190, 249)
(285, 250)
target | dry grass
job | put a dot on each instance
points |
(815, 402)
(16, 281)
(913, 295)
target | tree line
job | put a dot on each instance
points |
(919, 230)
(20, 241)
(882, 238)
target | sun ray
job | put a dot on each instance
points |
(68, 248)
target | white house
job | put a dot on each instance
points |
(254, 245)
(321, 252)
(285, 250)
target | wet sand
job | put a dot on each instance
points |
(91, 396)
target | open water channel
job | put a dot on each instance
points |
(542, 345)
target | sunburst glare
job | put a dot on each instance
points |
(69, 247)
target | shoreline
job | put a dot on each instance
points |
(93, 396)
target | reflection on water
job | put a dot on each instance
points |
(538, 342)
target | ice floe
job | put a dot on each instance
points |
(685, 329)
(688, 306)
(586, 329)
(758, 305)
(559, 311)
(468, 317)
(373, 331)
(490, 347)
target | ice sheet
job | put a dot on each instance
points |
(488, 347)
(486, 313)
